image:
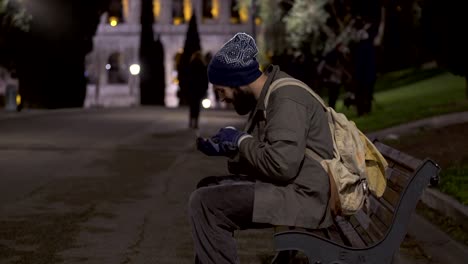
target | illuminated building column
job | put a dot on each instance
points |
(134, 11)
(215, 9)
(157, 10)
(225, 11)
(244, 11)
(103, 19)
(198, 10)
(187, 10)
(126, 11)
(166, 12)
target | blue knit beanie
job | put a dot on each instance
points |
(235, 64)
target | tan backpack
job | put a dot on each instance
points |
(356, 168)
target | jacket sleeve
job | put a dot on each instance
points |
(279, 157)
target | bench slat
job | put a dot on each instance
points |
(370, 225)
(369, 228)
(391, 197)
(363, 235)
(347, 230)
(396, 179)
(379, 224)
(335, 236)
(391, 154)
(380, 211)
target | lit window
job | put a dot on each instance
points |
(178, 20)
(115, 13)
(117, 73)
(239, 12)
(156, 9)
(181, 11)
(187, 9)
(178, 11)
(125, 9)
(210, 9)
(258, 19)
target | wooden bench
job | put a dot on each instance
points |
(369, 236)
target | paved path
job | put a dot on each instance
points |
(100, 186)
(111, 186)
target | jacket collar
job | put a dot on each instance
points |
(272, 72)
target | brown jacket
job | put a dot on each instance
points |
(290, 189)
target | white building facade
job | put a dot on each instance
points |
(117, 41)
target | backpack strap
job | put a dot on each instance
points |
(282, 82)
(334, 201)
(291, 82)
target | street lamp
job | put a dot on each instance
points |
(134, 69)
(206, 103)
(113, 21)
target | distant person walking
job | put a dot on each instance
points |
(334, 75)
(198, 86)
(370, 27)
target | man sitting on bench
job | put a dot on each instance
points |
(275, 184)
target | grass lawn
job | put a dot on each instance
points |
(438, 95)
(455, 182)
(404, 77)
(441, 94)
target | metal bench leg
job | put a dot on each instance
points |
(320, 251)
(284, 257)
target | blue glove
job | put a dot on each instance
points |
(224, 143)
(208, 147)
(228, 140)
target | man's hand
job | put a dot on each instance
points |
(224, 143)
(208, 147)
(229, 140)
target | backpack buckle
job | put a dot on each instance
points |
(365, 187)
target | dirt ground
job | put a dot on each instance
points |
(447, 146)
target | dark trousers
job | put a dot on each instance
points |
(333, 93)
(194, 108)
(364, 96)
(218, 207)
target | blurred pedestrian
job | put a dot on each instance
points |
(370, 25)
(198, 86)
(334, 75)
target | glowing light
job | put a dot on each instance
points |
(108, 67)
(258, 21)
(113, 21)
(135, 69)
(156, 8)
(206, 103)
(215, 9)
(187, 9)
(18, 99)
(243, 13)
(177, 21)
(234, 20)
(125, 9)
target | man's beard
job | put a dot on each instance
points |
(243, 102)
